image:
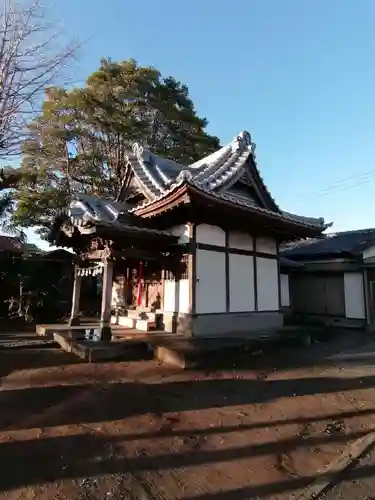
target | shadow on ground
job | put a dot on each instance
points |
(68, 457)
(121, 400)
(49, 459)
(12, 360)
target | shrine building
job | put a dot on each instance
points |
(189, 249)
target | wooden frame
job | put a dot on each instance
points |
(227, 250)
(267, 222)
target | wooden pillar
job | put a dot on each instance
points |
(279, 275)
(367, 299)
(227, 273)
(162, 283)
(140, 287)
(105, 316)
(74, 315)
(255, 264)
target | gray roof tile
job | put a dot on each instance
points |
(86, 211)
(212, 174)
(332, 244)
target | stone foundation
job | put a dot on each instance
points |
(328, 321)
(248, 324)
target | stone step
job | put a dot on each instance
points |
(97, 351)
(141, 314)
(126, 321)
(145, 325)
(154, 321)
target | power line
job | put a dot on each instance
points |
(344, 184)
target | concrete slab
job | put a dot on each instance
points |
(127, 322)
(171, 357)
(49, 330)
(191, 352)
(95, 351)
(171, 349)
(183, 352)
(145, 325)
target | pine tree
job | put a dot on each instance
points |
(80, 141)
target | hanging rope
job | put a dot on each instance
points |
(90, 271)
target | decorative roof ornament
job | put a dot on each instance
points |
(184, 175)
(253, 148)
(242, 141)
(141, 153)
(245, 137)
(137, 149)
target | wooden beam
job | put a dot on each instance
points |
(279, 274)
(193, 269)
(227, 273)
(105, 315)
(74, 315)
(255, 270)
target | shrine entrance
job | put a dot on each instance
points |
(147, 287)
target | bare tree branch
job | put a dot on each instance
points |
(31, 60)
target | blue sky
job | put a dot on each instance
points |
(299, 75)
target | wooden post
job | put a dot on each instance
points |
(140, 288)
(105, 317)
(74, 315)
(367, 299)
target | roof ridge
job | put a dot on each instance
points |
(350, 231)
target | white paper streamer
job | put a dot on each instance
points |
(90, 271)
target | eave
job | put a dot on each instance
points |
(322, 257)
(132, 233)
(69, 232)
(190, 194)
(177, 197)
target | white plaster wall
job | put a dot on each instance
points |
(241, 280)
(354, 296)
(284, 285)
(184, 296)
(369, 252)
(169, 295)
(266, 245)
(182, 231)
(267, 284)
(211, 235)
(176, 296)
(210, 284)
(241, 240)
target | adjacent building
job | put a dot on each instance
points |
(335, 281)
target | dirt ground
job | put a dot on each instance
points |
(257, 427)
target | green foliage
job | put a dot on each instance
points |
(6, 211)
(80, 141)
(10, 177)
(5, 204)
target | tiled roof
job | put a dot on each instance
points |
(86, 211)
(244, 203)
(213, 174)
(346, 242)
(158, 175)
